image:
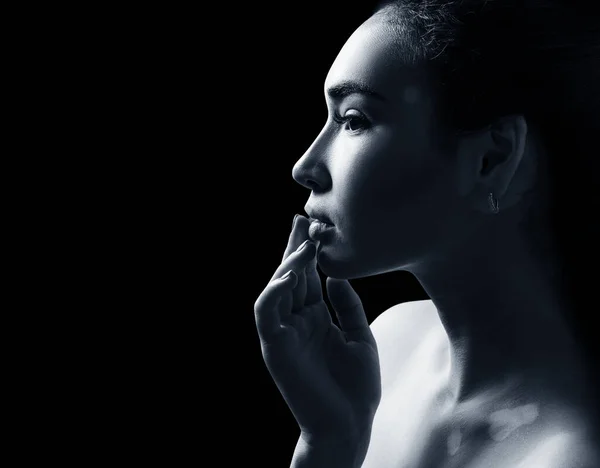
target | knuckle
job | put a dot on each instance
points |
(289, 258)
(265, 296)
(260, 302)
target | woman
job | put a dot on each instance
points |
(455, 132)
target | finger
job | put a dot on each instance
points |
(349, 310)
(266, 307)
(297, 236)
(294, 321)
(314, 290)
(297, 260)
(299, 292)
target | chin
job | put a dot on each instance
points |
(347, 267)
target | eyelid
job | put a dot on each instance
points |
(348, 117)
(355, 114)
(360, 114)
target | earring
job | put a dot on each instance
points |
(493, 202)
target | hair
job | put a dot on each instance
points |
(540, 59)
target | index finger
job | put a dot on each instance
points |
(298, 235)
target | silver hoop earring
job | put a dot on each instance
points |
(493, 202)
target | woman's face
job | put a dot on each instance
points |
(375, 170)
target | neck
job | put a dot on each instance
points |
(503, 314)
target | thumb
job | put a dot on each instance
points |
(349, 310)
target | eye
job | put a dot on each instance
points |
(353, 121)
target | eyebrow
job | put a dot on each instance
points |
(346, 88)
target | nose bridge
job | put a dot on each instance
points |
(310, 169)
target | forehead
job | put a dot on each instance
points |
(372, 56)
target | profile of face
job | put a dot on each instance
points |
(376, 170)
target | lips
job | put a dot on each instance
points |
(311, 220)
(315, 215)
(320, 231)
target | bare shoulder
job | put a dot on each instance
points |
(562, 449)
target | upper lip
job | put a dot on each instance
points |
(317, 214)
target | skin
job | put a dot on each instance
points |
(399, 200)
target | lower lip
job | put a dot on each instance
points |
(318, 230)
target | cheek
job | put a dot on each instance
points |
(396, 183)
(382, 176)
(366, 164)
(402, 212)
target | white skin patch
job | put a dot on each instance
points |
(529, 412)
(505, 421)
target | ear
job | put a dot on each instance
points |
(488, 160)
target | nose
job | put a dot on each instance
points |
(310, 170)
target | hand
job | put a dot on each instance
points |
(328, 376)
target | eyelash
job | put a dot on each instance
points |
(361, 120)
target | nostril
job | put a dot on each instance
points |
(312, 184)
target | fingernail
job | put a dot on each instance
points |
(304, 244)
(294, 222)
